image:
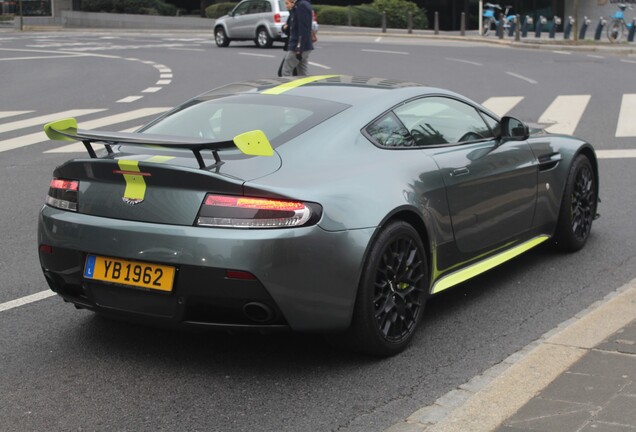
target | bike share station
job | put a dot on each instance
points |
(616, 26)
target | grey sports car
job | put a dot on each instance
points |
(330, 204)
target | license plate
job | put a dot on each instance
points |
(133, 273)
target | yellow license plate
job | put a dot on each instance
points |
(125, 272)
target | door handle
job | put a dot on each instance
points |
(459, 171)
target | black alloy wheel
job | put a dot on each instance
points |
(578, 208)
(392, 293)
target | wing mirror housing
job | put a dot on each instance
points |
(513, 129)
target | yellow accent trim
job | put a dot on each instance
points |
(254, 143)
(135, 184)
(159, 159)
(485, 265)
(295, 83)
(51, 129)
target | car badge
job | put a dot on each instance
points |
(131, 201)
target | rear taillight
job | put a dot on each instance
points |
(63, 194)
(276, 17)
(252, 212)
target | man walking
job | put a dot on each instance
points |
(300, 44)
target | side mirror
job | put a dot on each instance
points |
(513, 129)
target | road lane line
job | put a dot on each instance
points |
(565, 112)
(26, 300)
(616, 154)
(464, 61)
(626, 126)
(502, 105)
(129, 99)
(39, 137)
(5, 114)
(256, 55)
(385, 51)
(530, 80)
(318, 65)
(41, 120)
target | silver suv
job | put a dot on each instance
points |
(257, 20)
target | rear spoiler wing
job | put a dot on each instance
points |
(253, 143)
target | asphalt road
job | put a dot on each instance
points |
(65, 369)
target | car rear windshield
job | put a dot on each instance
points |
(221, 118)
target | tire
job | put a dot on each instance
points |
(263, 40)
(485, 27)
(220, 37)
(391, 295)
(615, 31)
(578, 207)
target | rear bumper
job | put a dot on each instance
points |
(306, 278)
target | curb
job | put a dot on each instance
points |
(512, 383)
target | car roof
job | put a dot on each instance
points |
(351, 90)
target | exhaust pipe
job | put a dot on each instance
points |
(258, 312)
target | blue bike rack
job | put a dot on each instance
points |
(527, 22)
(630, 35)
(599, 28)
(569, 24)
(556, 22)
(539, 27)
(584, 26)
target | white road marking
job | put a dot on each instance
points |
(40, 57)
(502, 105)
(626, 126)
(565, 112)
(41, 120)
(187, 49)
(25, 300)
(378, 39)
(129, 99)
(596, 56)
(562, 52)
(318, 65)
(163, 82)
(152, 90)
(628, 61)
(39, 137)
(464, 61)
(616, 154)
(165, 76)
(530, 80)
(256, 55)
(5, 114)
(385, 51)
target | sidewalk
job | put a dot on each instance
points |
(580, 377)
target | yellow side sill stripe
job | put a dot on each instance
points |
(485, 265)
(295, 83)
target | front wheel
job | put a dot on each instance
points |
(578, 207)
(220, 37)
(263, 40)
(391, 294)
(615, 31)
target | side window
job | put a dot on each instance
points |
(266, 6)
(242, 8)
(439, 120)
(494, 125)
(387, 131)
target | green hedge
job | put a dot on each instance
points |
(144, 7)
(370, 15)
(219, 9)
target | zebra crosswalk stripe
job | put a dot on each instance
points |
(41, 120)
(626, 126)
(565, 113)
(502, 105)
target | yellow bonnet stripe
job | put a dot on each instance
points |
(296, 83)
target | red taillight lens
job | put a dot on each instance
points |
(63, 194)
(252, 212)
(276, 17)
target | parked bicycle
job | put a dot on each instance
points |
(490, 18)
(618, 26)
